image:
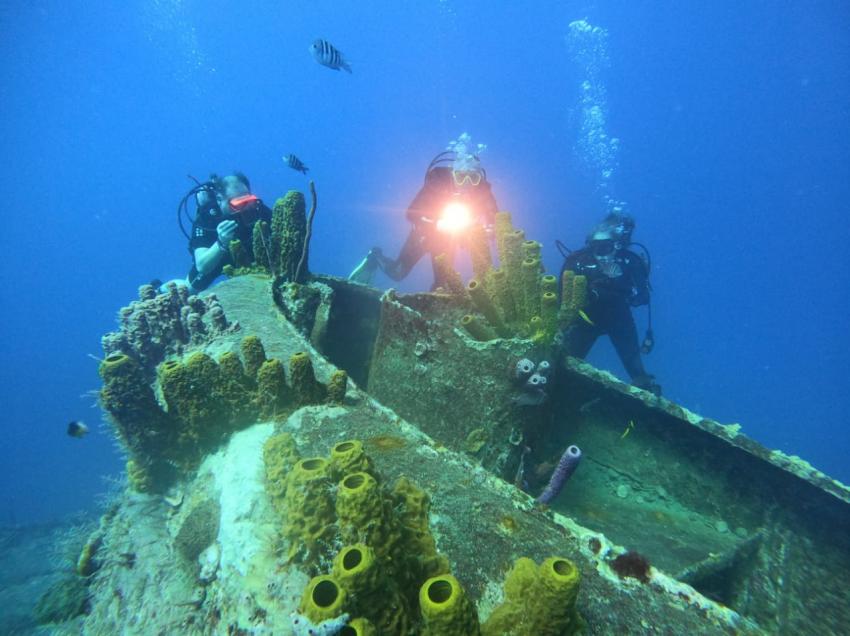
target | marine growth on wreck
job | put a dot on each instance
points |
(416, 471)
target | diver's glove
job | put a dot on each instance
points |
(226, 232)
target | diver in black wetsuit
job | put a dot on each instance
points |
(617, 280)
(453, 197)
(226, 210)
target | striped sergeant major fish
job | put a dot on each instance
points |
(295, 163)
(328, 55)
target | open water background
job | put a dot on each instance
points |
(733, 121)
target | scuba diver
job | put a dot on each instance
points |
(455, 195)
(226, 210)
(617, 280)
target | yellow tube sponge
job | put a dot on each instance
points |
(337, 386)
(512, 264)
(538, 600)
(373, 593)
(260, 241)
(446, 610)
(479, 251)
(362, 513)
(502, 226)
(193, 394)
(549, 283)
(483, 303)
(307, 389)
(253, 355)
(531, 287)
(549, 314)
(411, 506)
(273, 394)
(309, 507)
(573, 297)
(236, 389)
(349, 457)
(501, 293)
(323, 599)
(127, 397)
(446, 276)
(356, 569)
(531, 249)
(359, 627)
(280, 455)
(477, 328)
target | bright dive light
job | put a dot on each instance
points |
(455, 218)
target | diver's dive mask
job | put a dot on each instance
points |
(245, 207)
(464, 177)
(604, 247)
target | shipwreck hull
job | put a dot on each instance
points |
(741, 540)
(755, 530)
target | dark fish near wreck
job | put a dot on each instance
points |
(328, 55)
(77, 429)
(295, 163)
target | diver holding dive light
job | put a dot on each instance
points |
(456, 195)
(226, 211)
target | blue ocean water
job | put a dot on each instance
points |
(732, 122)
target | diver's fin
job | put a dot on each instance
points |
(365, 270)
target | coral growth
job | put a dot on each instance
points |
(201, 401)
(631, 564)
(158, 325)
(388, 551)
(516, 299)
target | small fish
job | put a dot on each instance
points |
(628, 429)
(328, 55)
(77, 429)
(584, 317)
(295, 163)
(533, 397)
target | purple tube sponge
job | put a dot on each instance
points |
(565, 468)
(536, 381)
(523, 369)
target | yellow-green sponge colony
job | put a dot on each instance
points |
(538, 600)
(446, 610)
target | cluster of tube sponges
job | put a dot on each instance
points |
(275, 249)
(388, 575)
(167, 428)
(161, 324)
(517, 299)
